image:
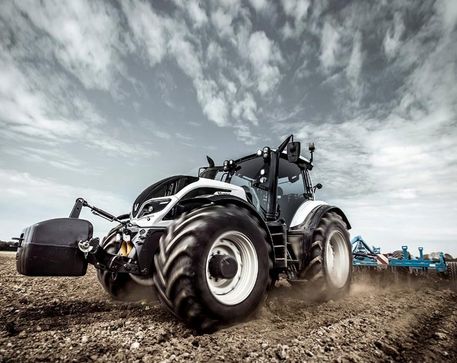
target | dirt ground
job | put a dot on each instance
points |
(71, 319)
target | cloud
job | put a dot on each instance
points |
(355, 65)
(196, 12)
(209, 65)
(149, 30)
(259, 5)
(222, 21)
(393, 35)
(246, 108)
(296, 11)
(46, 199)
(329, 45)
(83, 36)
(265, 57)
(59, 160)
(171, 37)
(34, 109)
(216, 109)
(27, 111)
(448, 10)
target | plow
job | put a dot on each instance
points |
(401, 263)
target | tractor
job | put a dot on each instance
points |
(209, 247)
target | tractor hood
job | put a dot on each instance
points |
(163, 188)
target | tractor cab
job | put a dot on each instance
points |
(252, 174)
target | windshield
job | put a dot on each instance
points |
(247, 176)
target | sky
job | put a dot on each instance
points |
(100, 99)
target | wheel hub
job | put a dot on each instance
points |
(231, 267)
(223, 267)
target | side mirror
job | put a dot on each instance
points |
(293, 152)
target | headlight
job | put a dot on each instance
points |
(154, 206)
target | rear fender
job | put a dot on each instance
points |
(310, 223)
(310, 213)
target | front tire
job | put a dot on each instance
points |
(329, 269)
(185, 279)
(122, 286)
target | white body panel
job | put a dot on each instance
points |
(155, 219)
(304, 210)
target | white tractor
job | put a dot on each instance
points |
(210, 247)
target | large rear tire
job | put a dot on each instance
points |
(184, 267)
(121, 286)
(329, 268)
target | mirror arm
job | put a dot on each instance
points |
(284, 144)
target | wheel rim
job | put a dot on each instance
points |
(237, 289)
(337, 259)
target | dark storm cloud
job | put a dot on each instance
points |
(98, 96)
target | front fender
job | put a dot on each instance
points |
(222, 199)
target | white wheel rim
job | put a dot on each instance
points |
(337, 259)
(238, 246)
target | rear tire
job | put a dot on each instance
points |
(121, 286)
(183, 279)
(329, 268)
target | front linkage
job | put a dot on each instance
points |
(95, 253)
(64, 247)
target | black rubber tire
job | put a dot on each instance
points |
(121, 286)
(452, 272)
(180, 266)
(315, 273)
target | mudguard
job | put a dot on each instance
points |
(229, 199)
(310, 213)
